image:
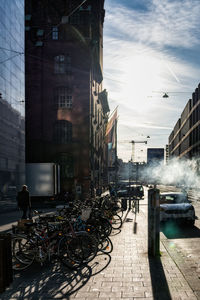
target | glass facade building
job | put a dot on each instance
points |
(12, 149)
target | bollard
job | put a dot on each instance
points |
(153, 222)
(124, 204)
(6, 273)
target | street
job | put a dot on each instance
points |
(7, 219)
(181, 276)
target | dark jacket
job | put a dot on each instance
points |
(23, 199)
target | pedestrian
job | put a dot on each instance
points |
(23, 201)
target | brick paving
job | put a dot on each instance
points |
(128, 273)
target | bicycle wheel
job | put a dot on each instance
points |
(102, 226)
(116, 221)
(120, 212)
(79, 249)
(82, 248)
(106, 245)
(23, 253)
(63, 255)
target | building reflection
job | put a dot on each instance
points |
(12, 151)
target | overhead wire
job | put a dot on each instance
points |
(69, 15)
(21, 53)
(45, 60)
(9, 58)
(2, 48)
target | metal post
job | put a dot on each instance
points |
(129, 185)
(153, 222)
(136, 174)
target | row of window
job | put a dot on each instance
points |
(195, 116)
(62, 133)
(63, 97)
(62, 64)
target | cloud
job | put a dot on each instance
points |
(143, 49)
(165, 23)
(146, 125)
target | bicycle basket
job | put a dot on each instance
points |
(85, 213)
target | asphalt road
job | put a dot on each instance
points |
(8, 219)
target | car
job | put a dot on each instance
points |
(122, 193)
(133, 190)
(136, 190)
(176, 206)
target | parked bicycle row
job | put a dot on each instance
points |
(74, 234)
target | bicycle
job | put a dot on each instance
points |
(38, 245)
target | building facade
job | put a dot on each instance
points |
(66, 105)
(184, 140)
(12, 151)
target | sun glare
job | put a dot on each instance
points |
(142, 75)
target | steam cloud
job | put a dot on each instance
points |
(177, 172)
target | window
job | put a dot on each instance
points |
(66, 162)
(59, 64)
(40, 32)
(39, 44)
(63, 97)
(63, 132)
(62, 64)
(55, 33)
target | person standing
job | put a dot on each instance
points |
(23, 200)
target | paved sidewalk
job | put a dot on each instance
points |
(128, 273)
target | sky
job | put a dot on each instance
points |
(151, 47)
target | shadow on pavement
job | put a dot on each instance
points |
(173, 230)
(160, 287)
(53, 281)
(115, 232)
(47, 283)
(99, 263)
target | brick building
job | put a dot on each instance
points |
(184, 140)
(66, 105)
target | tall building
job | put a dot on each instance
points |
(12, 99)
(66, 105)
(184, 140)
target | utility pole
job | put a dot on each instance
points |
(116, 160)
(129, 182)
(153, 222)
